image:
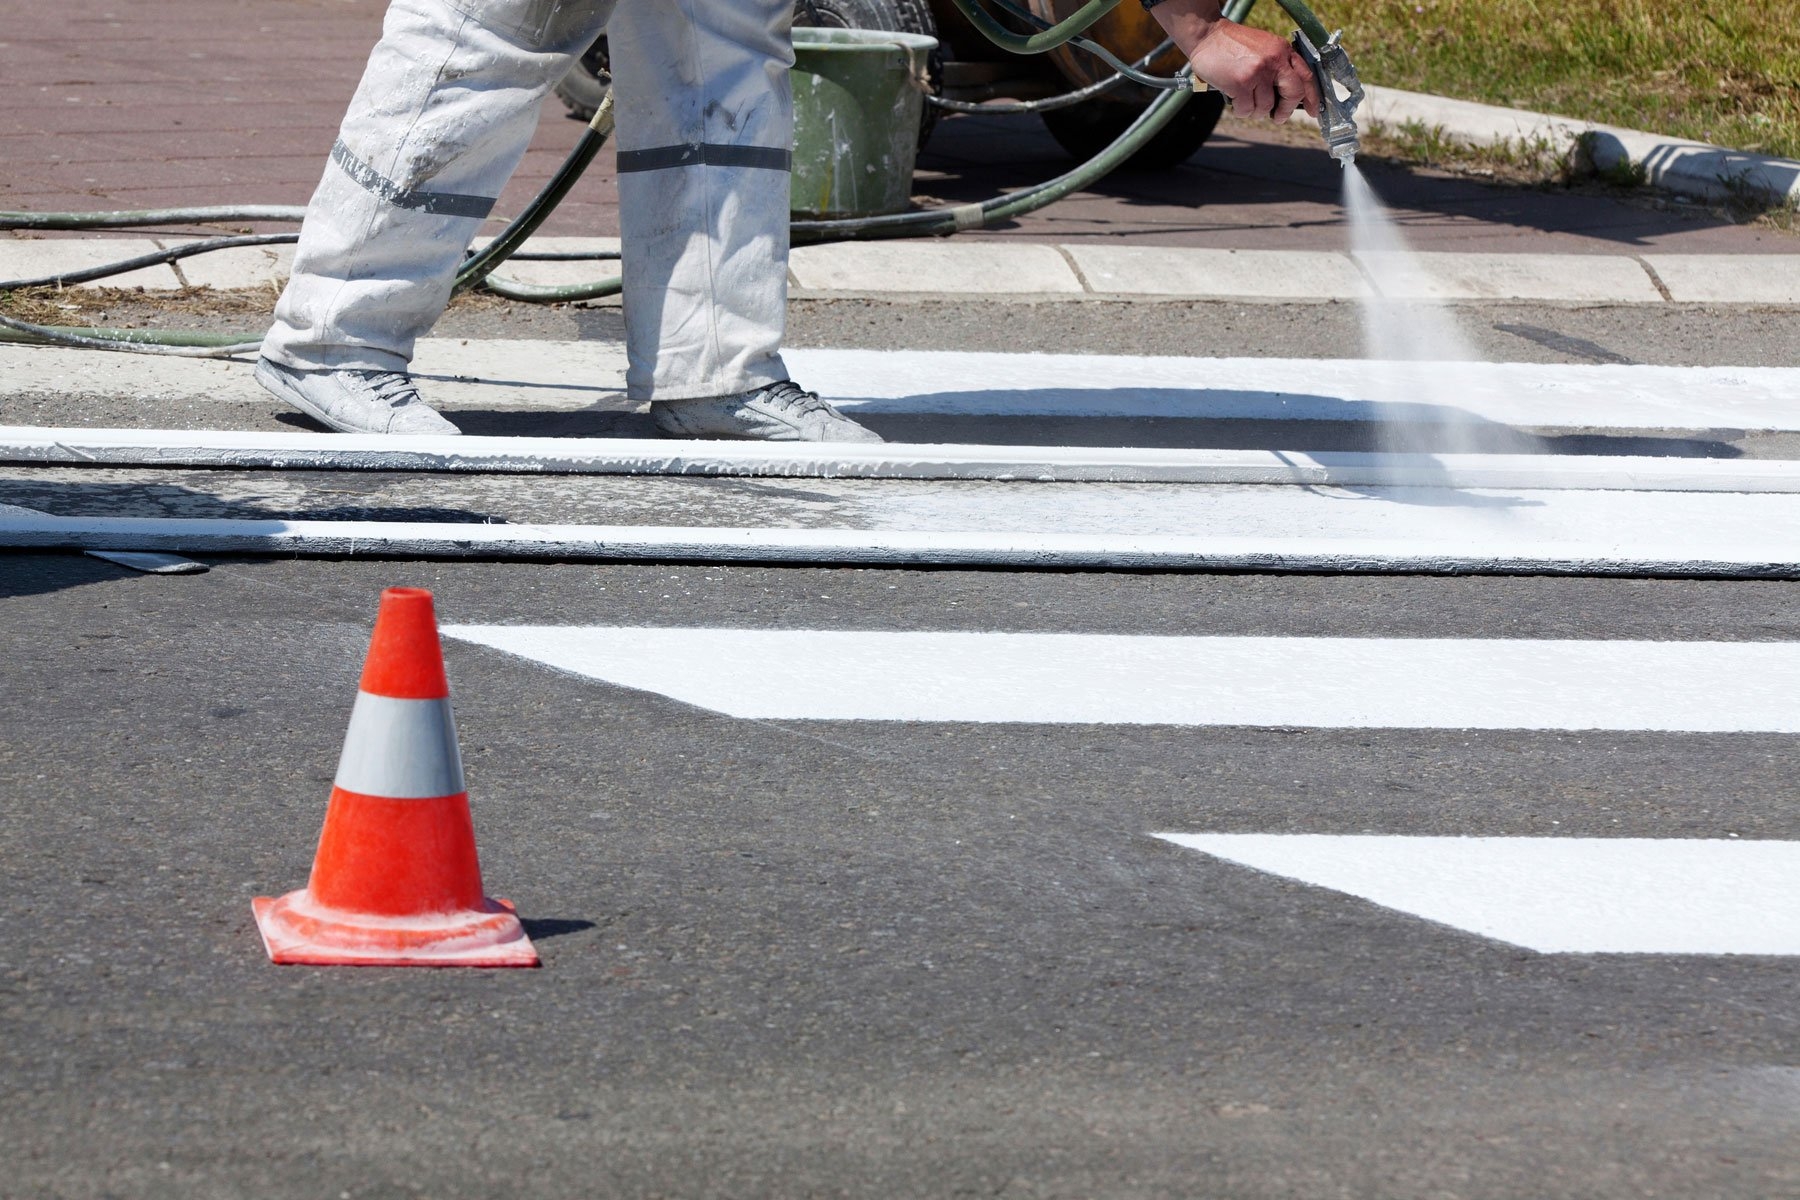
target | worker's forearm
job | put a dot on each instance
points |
(1187, 22)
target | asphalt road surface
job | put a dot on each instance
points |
(843, 955)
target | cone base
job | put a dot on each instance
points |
(297, 930)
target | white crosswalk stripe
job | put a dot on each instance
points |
(1047, 678)
(1555, 895)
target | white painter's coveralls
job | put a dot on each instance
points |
(445, 111)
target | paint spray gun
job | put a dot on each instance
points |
(1337, 112)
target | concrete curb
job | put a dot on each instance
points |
(1674, 164)
(1075, 271)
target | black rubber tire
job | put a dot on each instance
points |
(586, 84)
(1087, 129)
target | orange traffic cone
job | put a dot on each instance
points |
(396, 882)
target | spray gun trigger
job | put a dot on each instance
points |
(1332, 70)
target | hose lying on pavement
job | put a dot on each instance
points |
(477, 270)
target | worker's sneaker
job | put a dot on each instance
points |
(354, 401)
(779, 412)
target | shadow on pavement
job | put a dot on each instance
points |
(1246, 178)
(39, 572)
(540, 928)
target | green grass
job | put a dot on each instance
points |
(1729, 74)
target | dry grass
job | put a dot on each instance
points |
(1728, 74)
(201, 308)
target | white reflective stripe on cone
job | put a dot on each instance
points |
(403, 749)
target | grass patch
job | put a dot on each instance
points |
(1729, 75)
(1534, 160)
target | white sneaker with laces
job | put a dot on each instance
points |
(352, 401)
(779, 412)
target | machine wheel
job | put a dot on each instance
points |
(584, 87)
(586, 84)
(1087, 129)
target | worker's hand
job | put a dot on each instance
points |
(1259, 73)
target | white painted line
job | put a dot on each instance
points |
(1227, 274)
(1124, 526)
(1589, 278)
(1054, 678)
(1727, 278)
(1554, 895)
(1511, 394)
(893, 460)
(151, 564)
(966, 268)
(570, 375)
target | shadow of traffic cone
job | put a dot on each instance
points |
(396, 882)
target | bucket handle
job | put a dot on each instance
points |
(918, 74)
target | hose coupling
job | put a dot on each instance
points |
(1337, 110)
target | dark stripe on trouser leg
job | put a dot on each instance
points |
(444, 204)
(710, 154)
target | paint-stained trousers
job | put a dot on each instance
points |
(445, 111)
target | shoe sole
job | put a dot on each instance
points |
(736, 436)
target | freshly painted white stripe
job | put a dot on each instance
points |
(151, 564)
(1412, 683)
(1044, 464)
(1738, 537)
(402, 749)
(569, 375)
(1554, 895)
(1514, 394)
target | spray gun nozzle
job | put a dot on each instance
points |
(1340, 92)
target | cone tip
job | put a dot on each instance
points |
(406, 661)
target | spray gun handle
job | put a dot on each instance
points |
(1333, 71)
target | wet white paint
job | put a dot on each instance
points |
(1518, 394)
(1417, 683)
(1086, 525)
(569, 375)
(1554, 895)
(893, 460)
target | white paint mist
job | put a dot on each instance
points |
(1432, 363)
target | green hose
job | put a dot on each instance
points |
(1076, 24)
(176, 343)
(543, 204)
(1304, 17)
(1309, 24)
(932, 222)
(477, 270)
(153, 216)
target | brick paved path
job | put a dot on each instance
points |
(116, 104)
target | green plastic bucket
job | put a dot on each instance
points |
(857, 100)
